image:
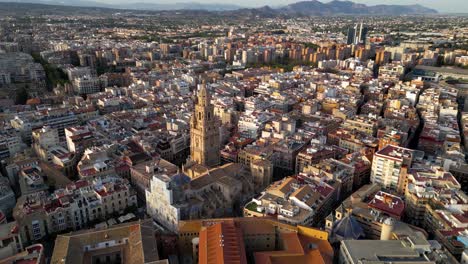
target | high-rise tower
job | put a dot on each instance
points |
(351, 35)
(357, 34)
(204, 131)
(361, 35)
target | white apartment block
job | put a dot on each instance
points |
(388, 164)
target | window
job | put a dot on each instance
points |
(36, 230)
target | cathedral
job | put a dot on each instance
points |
(205, 189)
(204, 131)
(205, 143)
(204, 136)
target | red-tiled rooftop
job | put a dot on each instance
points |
(222, 243)
(324, 190)
(2, 216)
(394, 151)
(387, 203)
(88, 172)
(463, 218)
(419, 175)
(52, 206)
(81, 136)
(452, 232)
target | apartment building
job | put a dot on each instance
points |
(294, 201)
(390, 165)
(75, 207)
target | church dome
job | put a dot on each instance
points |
(347, 228)
(180, 179)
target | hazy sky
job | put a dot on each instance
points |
(459, 6)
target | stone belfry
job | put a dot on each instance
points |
(204, 131)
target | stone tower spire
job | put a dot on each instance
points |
(204, 131)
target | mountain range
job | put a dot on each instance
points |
(315, 7)
(134, 6)
(305, 8)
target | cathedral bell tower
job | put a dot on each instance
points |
(204, 131)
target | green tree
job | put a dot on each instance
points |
(22, 96)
